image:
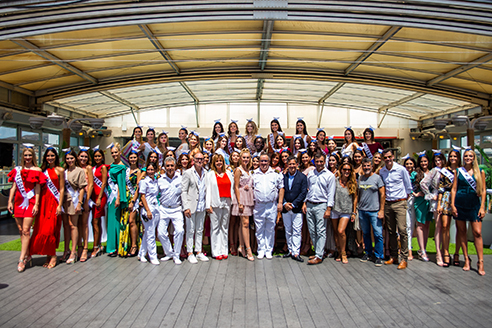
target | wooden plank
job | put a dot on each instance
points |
(301, 310)
(197, 315)
(212, 310)
(191, 301)
(250, 295)
(239, 313)
(264, 310)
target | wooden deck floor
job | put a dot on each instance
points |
(116, 292)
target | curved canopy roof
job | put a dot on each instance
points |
(416, 59)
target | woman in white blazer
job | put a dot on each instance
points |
(220, 188)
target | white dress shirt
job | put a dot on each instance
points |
(170, 190)
(396, 181)
(149, 188)
(321, 187)
(200, 206)
(267, 185)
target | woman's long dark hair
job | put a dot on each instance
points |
(133, 133)
(44, 164)
(304, 130)
(420, 173)
(215, 134)
(101, 152)
(279, 126)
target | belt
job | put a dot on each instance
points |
(315, 203)
(171, 207)
(396, 200)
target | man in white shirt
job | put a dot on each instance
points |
(170, 210)
(398, 186)
(319, 201)
(269, 194)
(193, 198)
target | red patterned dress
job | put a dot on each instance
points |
(30, 178)
(46, 234)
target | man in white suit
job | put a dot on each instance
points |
(193, 192)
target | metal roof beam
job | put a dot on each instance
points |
(155, 42)
(72, 109)
(188, 90)
(373, 48)
(55, 60)
(259, 89)
(119, 99)
(331, 92)
(266, 40)
(461, 69)
(401, 101)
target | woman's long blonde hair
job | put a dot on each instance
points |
(476, 172)
(352, 181)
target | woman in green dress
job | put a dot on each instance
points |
(130, 228)
(118, 201)
(423, 215)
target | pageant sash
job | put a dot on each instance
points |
(367, 150)
(448, 174)
(468, 178)
(51, 186)
(20, 185)
(129, 184)
(74, 194)
(98, 182)
(114, 190)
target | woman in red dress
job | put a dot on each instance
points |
(100, 173)
(46, 234)
(25, 206)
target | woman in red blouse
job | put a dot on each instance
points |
(219, 184)
(25, 206)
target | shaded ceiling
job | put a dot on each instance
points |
(412, 59)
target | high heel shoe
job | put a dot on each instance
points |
(133, 252)
(469, 264)
(82, 257)
(456, 260)
(65, 256)
(21, 265)
(96, 251)
(480, 264)
(250, 254)
(240, 250)
(72, 260)
(51, 265)
(28, 260)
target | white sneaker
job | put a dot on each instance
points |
(202, 257)
(260, 255)
(192, 259)
(177, 261)
(142, 259)
(155, 262)
(269, 256)
(166, 258)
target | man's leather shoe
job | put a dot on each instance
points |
(316, 260)
(403, 265)
(312, 257)
(287, 255)
(391, 261)
(298, 258)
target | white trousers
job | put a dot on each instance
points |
(219, 222)
(293, 228)
(411, 219)
(148, 240)
(265, 215)
(194, 228)
(176, 216)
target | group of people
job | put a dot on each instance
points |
(336, 202)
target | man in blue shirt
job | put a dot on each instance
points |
(398, 187)
(295, 190)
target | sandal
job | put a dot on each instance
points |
(480, 264)
(48, 258)
(133, 252)
(82, 257)
(240, 251)
(51, 265)
(446, 263)
(250, 254)
(72, 260)
(21, 266)
(456, 260)
(96, 251)
(344, 259)
(65, 256)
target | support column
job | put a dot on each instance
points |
(66, 133)
(470, 135)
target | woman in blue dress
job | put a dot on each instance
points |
(468, 205)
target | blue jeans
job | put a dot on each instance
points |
(366, 220)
